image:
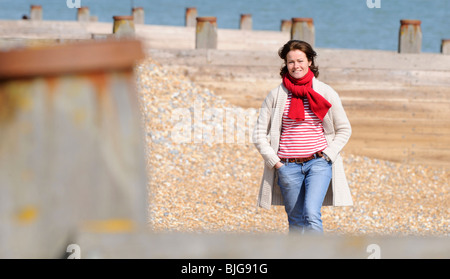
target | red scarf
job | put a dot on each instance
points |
(301, 88)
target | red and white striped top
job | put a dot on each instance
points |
(301, 139)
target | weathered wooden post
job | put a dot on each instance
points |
(206, 32)
(445, 46)
(123, 26)
(246, 22)
(410, 36)
(138, 15)
(83, 14)
(190, 17)
(71, 146)
(303, 29)
(286, 25)
(36, 12)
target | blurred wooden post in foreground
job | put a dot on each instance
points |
(71, 145)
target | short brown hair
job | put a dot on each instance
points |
(300, 45)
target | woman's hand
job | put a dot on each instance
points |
(278, 165)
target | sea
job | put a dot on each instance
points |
(348, 24)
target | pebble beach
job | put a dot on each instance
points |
(205, 178)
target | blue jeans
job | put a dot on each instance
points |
(304, 187)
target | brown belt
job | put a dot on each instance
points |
(302, 160)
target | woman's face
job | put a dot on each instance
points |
(297, 63)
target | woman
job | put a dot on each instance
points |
(300, 131)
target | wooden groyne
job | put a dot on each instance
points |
(301, 28)
(404, 89)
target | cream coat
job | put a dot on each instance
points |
(266, 137)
